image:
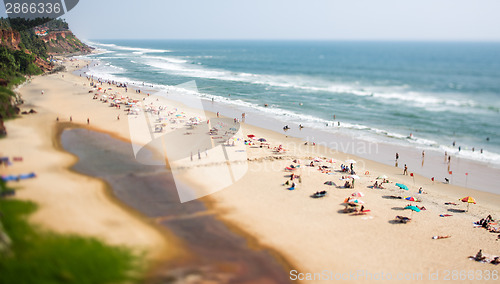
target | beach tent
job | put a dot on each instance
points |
(350, 161)
(411, 198)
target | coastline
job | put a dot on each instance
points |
(262, 190)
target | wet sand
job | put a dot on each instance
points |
(217, 252)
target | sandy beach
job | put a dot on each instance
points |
(312, 234)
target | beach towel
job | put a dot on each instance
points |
(18, 177)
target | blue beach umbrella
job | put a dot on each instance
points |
(402, 186)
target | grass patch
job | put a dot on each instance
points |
(36, 256)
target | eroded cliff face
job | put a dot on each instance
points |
(63, 42)
(10, 38)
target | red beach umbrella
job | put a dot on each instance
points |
(469, 200)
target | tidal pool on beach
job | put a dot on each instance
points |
(216, 252)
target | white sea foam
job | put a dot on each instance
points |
(389, 95)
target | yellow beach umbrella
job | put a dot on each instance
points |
(469, 200)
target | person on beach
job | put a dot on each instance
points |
(495, 261)
(397, 156)
(405, 172)
(88, 121)
(42, 92)
(479, 256)
(445, 156)
(118, 117)
(71, 118)
(440, 237)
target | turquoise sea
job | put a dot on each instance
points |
(439, 92)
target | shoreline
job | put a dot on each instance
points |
(482, 175)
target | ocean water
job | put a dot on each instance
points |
(379, 91)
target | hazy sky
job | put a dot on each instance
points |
(287, 19)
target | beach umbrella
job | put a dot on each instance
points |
(354, 176)
(402, 186)
(358, 194)
(262, 140)
(350, 161)
(317, 159)
(382, 177)
(410, 198)
(251, 136)
(178, 115)
(329, 182)
(469, 200)
(413, 208)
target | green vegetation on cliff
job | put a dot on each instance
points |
(24, 53)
